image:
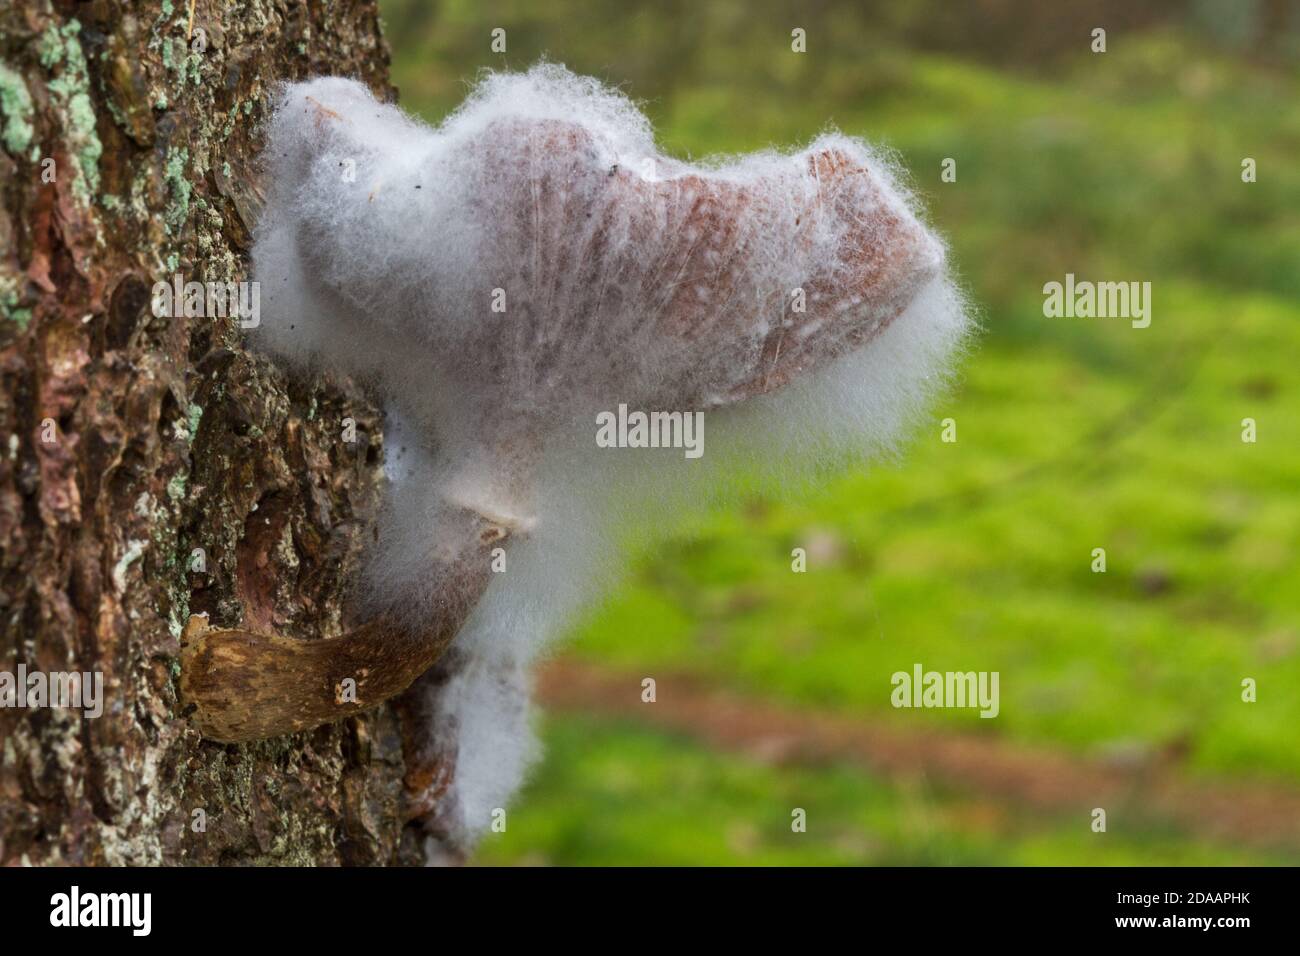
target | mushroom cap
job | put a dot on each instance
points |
(535, 258)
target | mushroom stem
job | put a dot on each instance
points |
(238, 685)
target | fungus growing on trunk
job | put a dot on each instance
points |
(504, 279)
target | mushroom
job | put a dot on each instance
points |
(502, 280)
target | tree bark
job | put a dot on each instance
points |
(150, 467)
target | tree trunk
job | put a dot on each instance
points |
(151, 468)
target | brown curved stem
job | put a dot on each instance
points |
(238, 685)
(245, 686)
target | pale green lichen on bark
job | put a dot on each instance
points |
(180, 188)
(176, 487)
(9, 299)
(16, 105)
(59, 50)
(179, 59)
(168, 542)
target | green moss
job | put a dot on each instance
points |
(16, 105)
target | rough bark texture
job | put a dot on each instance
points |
(129, 441)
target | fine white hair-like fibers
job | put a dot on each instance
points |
(534, 261)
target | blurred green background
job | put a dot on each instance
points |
(1119, 689)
